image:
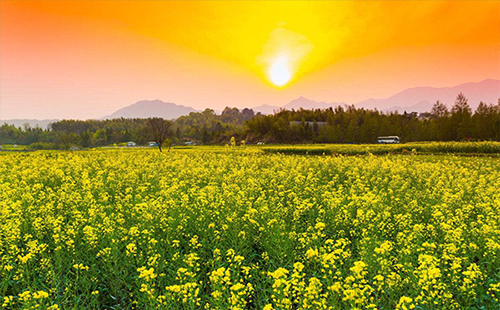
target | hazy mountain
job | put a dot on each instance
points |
(421, 99)
(422, 106)
(418, 99)
(308, 104)
(31, 122)
(152, 108)
(266, 109)
(296, 104)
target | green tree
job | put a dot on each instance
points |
(461, 114)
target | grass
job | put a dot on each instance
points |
(377, 149)
(10, 147)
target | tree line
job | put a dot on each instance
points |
(357, 125)
(205, 127)
(342, 124)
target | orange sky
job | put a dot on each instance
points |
(85, 59)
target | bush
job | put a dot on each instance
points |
(42, 146)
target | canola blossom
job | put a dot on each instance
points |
(118, 229)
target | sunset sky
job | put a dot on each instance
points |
(86, 59)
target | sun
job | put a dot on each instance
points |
(279, 71)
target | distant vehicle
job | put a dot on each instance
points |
(189, 143)
(152, 143)
(260, 143)
(130, 144)
(388, 140)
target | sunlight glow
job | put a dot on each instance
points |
(279, 72)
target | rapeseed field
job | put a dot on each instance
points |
(121, 229)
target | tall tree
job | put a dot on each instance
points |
(439, 110)
(461, 114)
(440, 121)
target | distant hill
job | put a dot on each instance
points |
(266, 109)
(418, 99)
(421, 99)
(296, 104)
(152, 108)
(31, 122)
(308, 104)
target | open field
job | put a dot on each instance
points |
(405, 148)
(222, 228)
(10, 147)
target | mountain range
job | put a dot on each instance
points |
(418, 99)
(421, 99)
(296, 104)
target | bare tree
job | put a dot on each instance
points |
(160, 130)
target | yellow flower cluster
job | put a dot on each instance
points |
(237, 229)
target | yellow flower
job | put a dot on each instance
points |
(405, 303)
(216, 294)
(80, 267)
(7, 300)
(379, 278)
(359, 266)
(298, 267)
(279, 273)
(320, 226)
(24, 296)
(311, 253)
(131, 249)
(147, 274)
(385, 247)
(40, 295)
(237, 287)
